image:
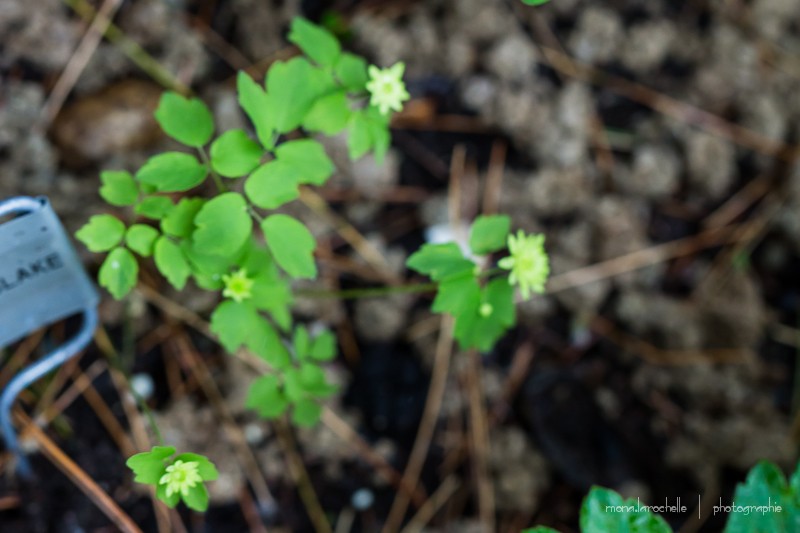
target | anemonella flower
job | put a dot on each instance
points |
(238, 287)
(528, 263)
(386, 87)
(180, 477)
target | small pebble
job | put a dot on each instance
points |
(143, 386)
(362, 499)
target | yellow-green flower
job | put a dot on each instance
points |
(180, 477)
(386, 87)
(238, 286)
(528, 263)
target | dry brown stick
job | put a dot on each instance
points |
(77, 62)
(9, 502)
(740, 202)
(479, 433)
(217, 44)
(137, 424)
(301, 479)
(77, 475)
(329, 417)
(343, 430)
(494, 177)
(745, 239)
(131, 49)
(520, 367)
(166, 519)
(457, 166)
(642, 258)
(427, 426)
(439, 497)
(20, 355)
(56, 383)
(349, 233)
(196, 365)
(668, 106)
(604, 156)
(71, 393)
(657, 356)
(250, 511)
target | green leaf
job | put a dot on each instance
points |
(266, 397)
(234, 154)
(291, 244)
(155, 207)
(188, 121)
(301, 342)
(293, 385)
(101, 233)
(627, 515)
(292, 88)
(196, 498)
(457, 294)
(171, 262)
(270, 290)
(307, 158)
(140, 238)
(213, 265)
(207, 470)
(172, 172)
(312, 378)
(380, 139)
(172, 500)
(766, 485)
(317, 43)
(359, 137)
(223, 225)
(329, 114)
(540, 529)
(272, 185)
(232, 322)
(474, 329)
(118, 272)
(489, 234)
(180, 221)
(440, 261)
(118, 188)
(351, 71)
(148, 467)
(535, 2)
(238, 323)
(265, 342)
(253, 99)
(306, 412)
(323, 348)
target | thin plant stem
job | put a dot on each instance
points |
(217, 180)
(368, 292)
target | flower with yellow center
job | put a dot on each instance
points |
(238, 286)
(386, 87)
(180, 477)
(528, 263)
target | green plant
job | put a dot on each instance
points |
(764, 503)
(213, 240)
(175, 478)
(482, 305)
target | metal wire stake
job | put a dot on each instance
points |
(43, 366)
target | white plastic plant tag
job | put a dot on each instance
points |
(41, 278)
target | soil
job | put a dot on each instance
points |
(664, 381)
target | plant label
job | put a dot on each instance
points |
(41, 278)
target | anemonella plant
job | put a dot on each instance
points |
(236, 244)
